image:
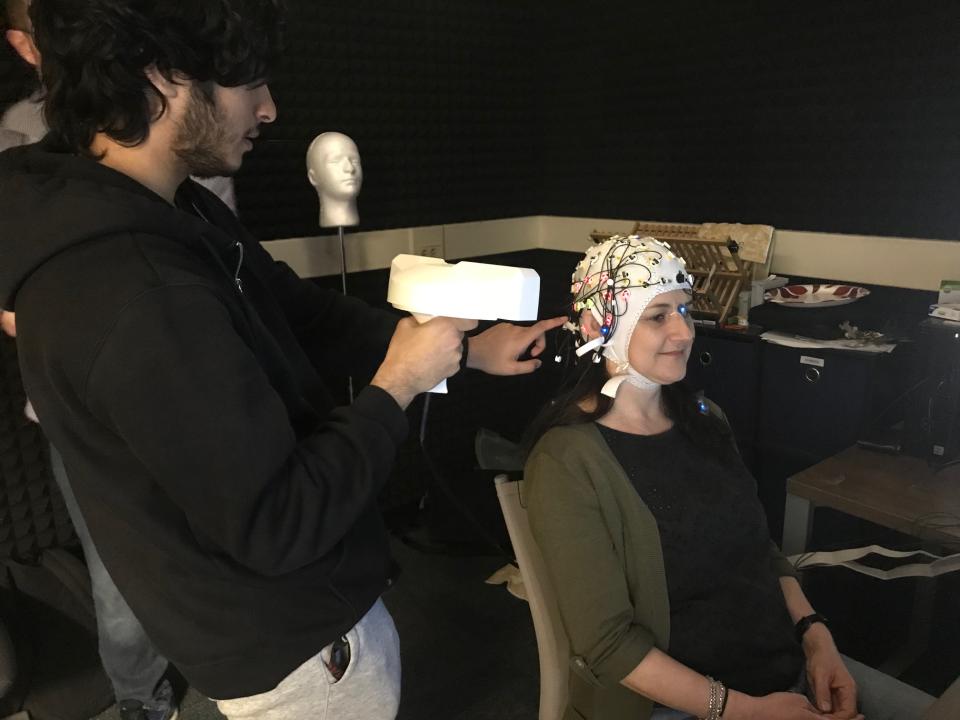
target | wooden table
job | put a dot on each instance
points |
(895, 491)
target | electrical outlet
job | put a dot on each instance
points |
(427, 241)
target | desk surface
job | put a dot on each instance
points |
(896, 491)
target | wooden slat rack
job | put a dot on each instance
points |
(718, 271)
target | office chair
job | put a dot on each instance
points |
(553, 647)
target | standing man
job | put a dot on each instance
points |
(180, 371)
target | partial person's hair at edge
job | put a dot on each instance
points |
(15, 15)
(580, 400)
(20, 79)
(95, 54)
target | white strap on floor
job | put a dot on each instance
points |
(848, 559)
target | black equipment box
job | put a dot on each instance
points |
(932, 429)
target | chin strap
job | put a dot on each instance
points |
(611, 386)
(625, 373)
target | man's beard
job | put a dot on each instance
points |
(201, 140)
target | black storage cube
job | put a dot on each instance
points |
(816, 402)
(726, 369)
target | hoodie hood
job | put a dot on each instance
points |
(51, 201)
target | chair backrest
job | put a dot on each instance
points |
(947, 706)
(552, 644)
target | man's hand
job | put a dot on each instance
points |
(834, 690)
(8, 322)
(420, 356)
(495, 351)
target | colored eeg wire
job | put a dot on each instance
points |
(610, 293)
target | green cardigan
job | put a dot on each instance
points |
(601, 546)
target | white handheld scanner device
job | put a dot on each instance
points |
(427, 287)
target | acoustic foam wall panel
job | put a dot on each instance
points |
(837, 117)
(438, 96)
(33, 516)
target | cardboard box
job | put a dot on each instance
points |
(949, 292)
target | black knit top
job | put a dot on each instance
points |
(728, 618)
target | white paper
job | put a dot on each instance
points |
(796, 341)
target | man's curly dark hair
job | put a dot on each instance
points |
(95, 54)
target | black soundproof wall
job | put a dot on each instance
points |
(439, 96)
(827, 116)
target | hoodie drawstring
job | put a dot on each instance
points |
(237, 244)
(236, 273)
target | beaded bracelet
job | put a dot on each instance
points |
(717, 700)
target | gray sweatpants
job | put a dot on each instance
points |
(368, 690)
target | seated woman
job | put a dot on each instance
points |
(676, 602)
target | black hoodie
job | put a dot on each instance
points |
(178, 370)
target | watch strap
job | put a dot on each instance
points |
(804, 623)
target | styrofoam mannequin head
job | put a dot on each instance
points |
(333, 168)
(615, 282)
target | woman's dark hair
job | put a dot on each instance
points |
(94, 54)
(706, 430)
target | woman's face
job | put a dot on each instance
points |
(661, 342)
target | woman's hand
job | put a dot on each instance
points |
(775, 706)
(834, 690)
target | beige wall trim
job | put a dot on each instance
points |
(320, 255)
(491, 237)
(573, 234)
(901, 262)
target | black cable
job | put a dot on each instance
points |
(875, 425)
(423, 420)
(943, 466)
(611, 282)
(440, 483)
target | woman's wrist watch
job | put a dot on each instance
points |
(804, 623)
